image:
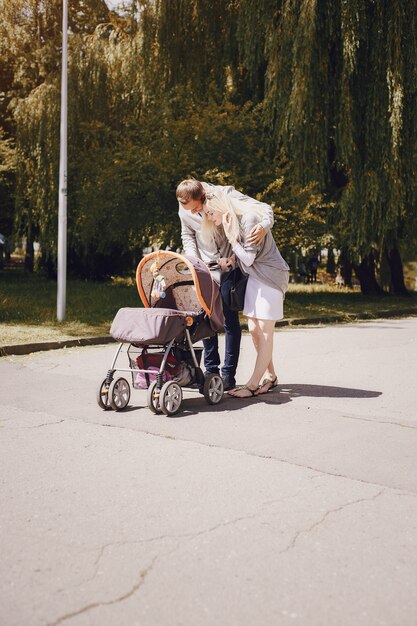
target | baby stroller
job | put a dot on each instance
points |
(182, 306)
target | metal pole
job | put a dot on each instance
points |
(62, 203)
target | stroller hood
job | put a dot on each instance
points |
(170, 280)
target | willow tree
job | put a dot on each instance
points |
(376, 138)
(339, 94)
(103, 92)
(191, 44)
(37, 118)
(30, 41)
(335, 80)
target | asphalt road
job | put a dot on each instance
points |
(298, 507)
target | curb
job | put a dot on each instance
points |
(342, 319)
(349, 317)
(21, 349)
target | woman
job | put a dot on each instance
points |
(267, 282)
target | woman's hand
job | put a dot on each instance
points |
(227, 225)
(256, 235)
(226, 263)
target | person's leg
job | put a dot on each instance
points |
(270, 371)
(269, 382)
(262, 332)
(253, 333)
(211, 355)
(233, 335)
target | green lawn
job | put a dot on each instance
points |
(90, 306)
(327, 300)
(30, 301)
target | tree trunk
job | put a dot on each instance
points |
(331, 265)
(396, 268)
(346, 268)
(29, 260)
(365, 273)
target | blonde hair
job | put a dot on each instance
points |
(221, 202)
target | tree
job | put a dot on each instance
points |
(220, 90)
(340, 96)
(300, 210)
(30, 42)
(7, 183)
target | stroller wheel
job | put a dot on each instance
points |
(170, 398)
(103, 396)
(154, 396)
(213, 389)
(119, 394)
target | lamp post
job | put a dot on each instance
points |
(62, 202)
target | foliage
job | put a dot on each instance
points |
(219, 90)
(127, 179)
(300, 210)
(7, 183)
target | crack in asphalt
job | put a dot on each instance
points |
(186, 536)
(237, 450)
(259, 456)
(142, 579)
(46, 424)
(31, 427)
(368, 419)
(145, 572)
(306, 531)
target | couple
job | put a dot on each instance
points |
(219, 223)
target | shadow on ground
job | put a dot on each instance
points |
(324, 391)
(280, 395)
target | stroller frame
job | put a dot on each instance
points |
(162, 397)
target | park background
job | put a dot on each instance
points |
(308, 105)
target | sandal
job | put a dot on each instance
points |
(267, 381)
(241, 387)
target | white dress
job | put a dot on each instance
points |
(267, 274)
(262, 301)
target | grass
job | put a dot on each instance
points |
(28, 305)
(30, 301)
(324, 300)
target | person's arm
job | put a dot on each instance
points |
(246, 256)
(245, 251)
(188, 238)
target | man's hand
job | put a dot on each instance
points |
(257, 235)
(226, 263)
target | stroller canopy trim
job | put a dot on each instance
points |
(159, 254)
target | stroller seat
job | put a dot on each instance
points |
(148, 326)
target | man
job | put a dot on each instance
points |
(191, 195)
